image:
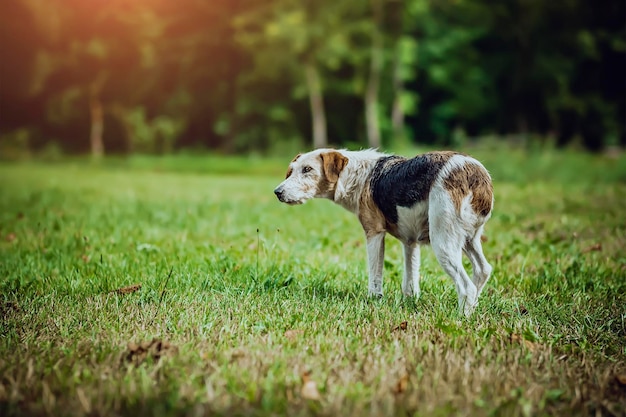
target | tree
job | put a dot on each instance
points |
(402, 17)
(375, 73)
(102, 76)
(305, 41)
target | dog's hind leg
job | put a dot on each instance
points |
(449, 255)
(481, 270)
(447, 242)
(411, 278)
(375, 261)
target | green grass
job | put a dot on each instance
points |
(252, 294)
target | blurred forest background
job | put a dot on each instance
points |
(155, 76)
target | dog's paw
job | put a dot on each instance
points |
(467, 302)
(410, 293)
(375, 295)
(468, 307)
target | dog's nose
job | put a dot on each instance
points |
(279, 193)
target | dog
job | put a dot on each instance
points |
(440, 198)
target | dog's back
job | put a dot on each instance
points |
(404, 189)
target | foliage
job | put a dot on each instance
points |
(245, 304)
(230, 75)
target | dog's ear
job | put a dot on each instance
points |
(333, 163)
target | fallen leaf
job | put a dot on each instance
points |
(128, 290)
(402, 384)
(483, 238)
(11, 237)
(309, 388)
(310, 392)
(8, 308)
(156, 349)
(621, 378)
(593, 248)
(306, 376)
(293, 334)
(401, 326)
(532, 346)
(236, 354)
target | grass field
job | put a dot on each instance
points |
(250, 307)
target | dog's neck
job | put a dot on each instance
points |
(354, 177)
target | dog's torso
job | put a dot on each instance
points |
(400, 189)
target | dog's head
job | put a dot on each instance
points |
(310, 175)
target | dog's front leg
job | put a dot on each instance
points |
(375, 261)
(411, 278)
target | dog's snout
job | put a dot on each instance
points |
(279, 193)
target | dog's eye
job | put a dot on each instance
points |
(306, 169)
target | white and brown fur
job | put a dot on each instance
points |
(442, 198)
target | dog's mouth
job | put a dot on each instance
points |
(293, 202)
(289, 201)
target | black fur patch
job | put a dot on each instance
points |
(397, 181)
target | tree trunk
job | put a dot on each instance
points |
(96, 112)
(234, 63)
(97, 125)
(397, 112)
(373, 82)
(316, 100)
